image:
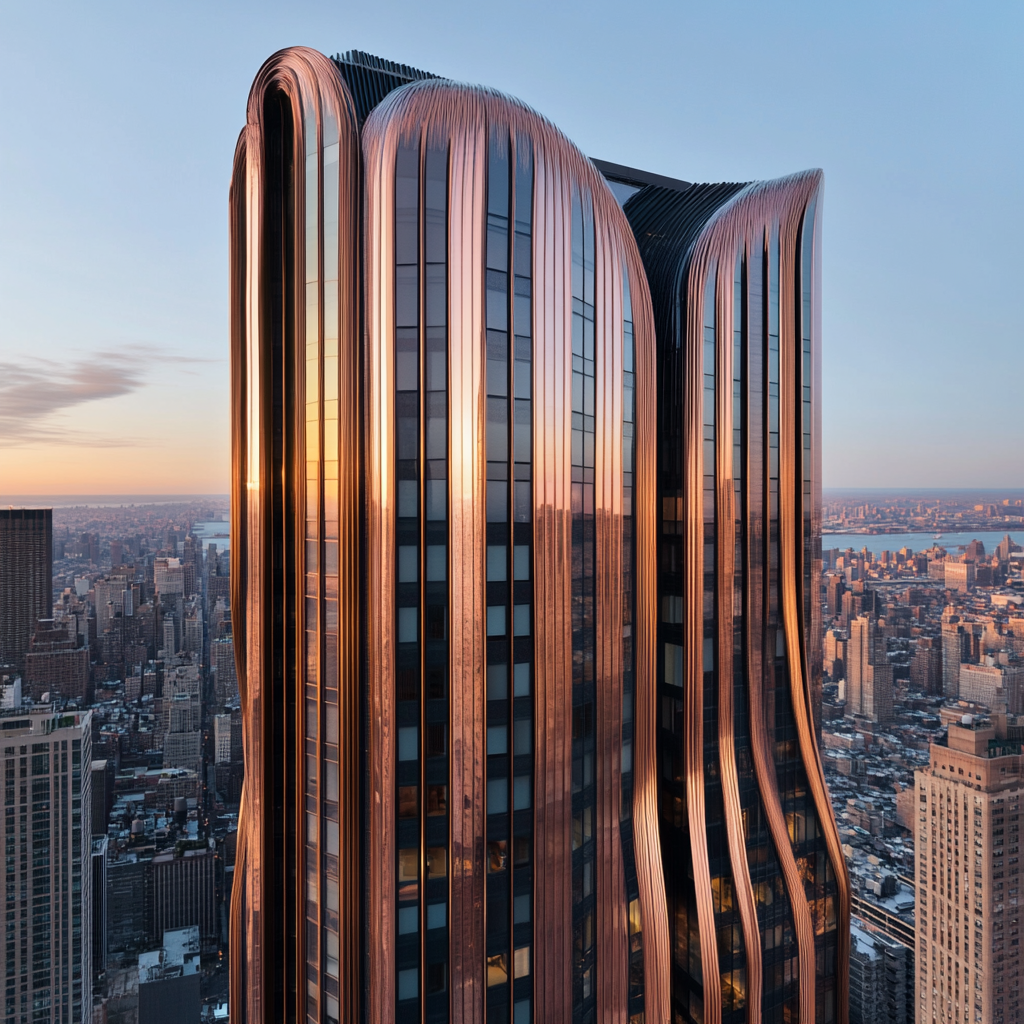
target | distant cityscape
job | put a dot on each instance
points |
(922, 725)
(115, 639)
(116, 647)
(880, 513)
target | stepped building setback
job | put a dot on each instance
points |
(526, 551)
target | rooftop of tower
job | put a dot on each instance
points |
(371, 78)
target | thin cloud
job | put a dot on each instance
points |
(31, 393)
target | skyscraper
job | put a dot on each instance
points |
(758, 897)
(868, 672)
(26, 578)
(955, 650)
(466, 691)
(967, 846)
(47, 938)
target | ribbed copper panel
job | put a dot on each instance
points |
(295, 401)
(461, 117)
(647, 842)
(314, 485)
(612, 936)
(743, 222)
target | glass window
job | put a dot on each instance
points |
(437, 739)
(408, 801)
(497, 739)
(521, 562)
(522, 792)
(521, 849)
(408, 920)
(408, 743)
(437, 915)
(496, 620)
(437, 978)
(497, 558)
(408, 983)
(437, 563)
(407, 625)
(497, 796)
(497, 855)
(521, 962)
(497, 682)
(521, 910)
(437, 499)
(408, 563)
(437, 801)
(521, 620)
(497, 969)
(522, 736)
(407, 359)
(437, 862)
(407, 499)
(521, 685)
(408, 864)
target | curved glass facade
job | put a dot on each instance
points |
(525, 514)
(759, 921)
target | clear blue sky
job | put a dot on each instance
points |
(120, 119)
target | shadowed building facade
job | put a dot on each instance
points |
(452, 650)
(26, 571)
(757, 891)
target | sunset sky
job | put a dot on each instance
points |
(121, 119)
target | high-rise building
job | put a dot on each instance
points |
(169, 979)
(47, 939)
(960, 576)
(221, 739)
(183, 891)
(169, 578)
(998, 687)
(26, 578)
(181, 713)
(956, 645)
(881, 978)
(734, 280)
(967, 846)
(836, 589)
(98, 924)
(868, 672)
(497, 767)
(222, 659)
(926, 666)
(56, 664)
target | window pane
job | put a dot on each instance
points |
(497, 739)
(497, 571)
(407, 625)
(437, 563)
(497, 682)
(521, 685)
(497, 970)
(408, 983)
(496, 620)
(437, 916)
(407, 503)
(497, 796)
(408, 743)
(408, 563)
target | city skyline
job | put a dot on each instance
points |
(118, 382)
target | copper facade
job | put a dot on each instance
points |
(466, 799)
(757, 888)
